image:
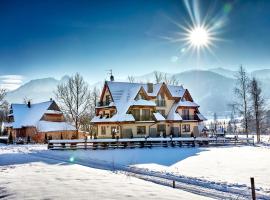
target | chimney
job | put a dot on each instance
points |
(150, 87)
(29, 104)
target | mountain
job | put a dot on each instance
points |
(224, 72)
(40, 90)
(211, 89)
(37, 90)
(150, 77)
(261, 74)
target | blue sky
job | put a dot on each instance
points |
(52, 38)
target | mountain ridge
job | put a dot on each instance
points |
(211, 89)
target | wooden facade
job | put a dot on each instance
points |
(145, 124)
(40, 131)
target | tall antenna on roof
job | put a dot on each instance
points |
(111, 75)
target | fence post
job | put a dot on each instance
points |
(173, 184)
(253, 188)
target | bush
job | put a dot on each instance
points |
(28, 139)
(10, 139)
(46, 138)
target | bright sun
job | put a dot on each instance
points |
(198, 37)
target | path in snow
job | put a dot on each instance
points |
(26, 174)
(190, 166)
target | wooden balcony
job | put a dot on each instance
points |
(161, 103)
(189, 117)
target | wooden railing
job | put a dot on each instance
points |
(161, 103)
(143, 142)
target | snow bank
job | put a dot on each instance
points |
(26, 175)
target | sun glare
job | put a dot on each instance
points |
(199, 37)
(200, 32)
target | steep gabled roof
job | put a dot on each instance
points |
(48, 126)
(124, 94)
(25, 116)
(123, 91)
(31, 117)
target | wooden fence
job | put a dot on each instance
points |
(144, 142)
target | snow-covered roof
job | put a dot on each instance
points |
(174, 117)
(142, 102)
(187, 104)
(107, 106)
(120, 89)
(25, 116)
(201, 117)
(53, 112)
(115, 118)
(159, 117)
(124, 94)
(176, 91)
(48, 126)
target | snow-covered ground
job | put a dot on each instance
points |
(25, 175)
(227, 168)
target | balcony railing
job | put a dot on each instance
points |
(161, 103)
(189, 117)
(143, 118)
(104, 103)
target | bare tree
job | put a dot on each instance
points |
(241, 92)
(257, 105)
(3, 105)
(131, 79)
(172, 81)
(166, 79)
(215, 122)
(2, 94)
(232, 118)
(94, 101)
(74, 98)
(158, 77)
(4, 111)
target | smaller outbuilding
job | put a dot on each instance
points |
(39, 122)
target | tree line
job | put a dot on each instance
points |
(249, 103)
(74, 98)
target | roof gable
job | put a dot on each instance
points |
(25, 116)
(141, 90)
(124, 96)
(165, 89)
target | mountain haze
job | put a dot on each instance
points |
(211, 89)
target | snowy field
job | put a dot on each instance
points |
(229, 165)
(24, 175)
(225, 167)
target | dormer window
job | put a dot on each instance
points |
(107, 100)
(140, 95)
(160, 100)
